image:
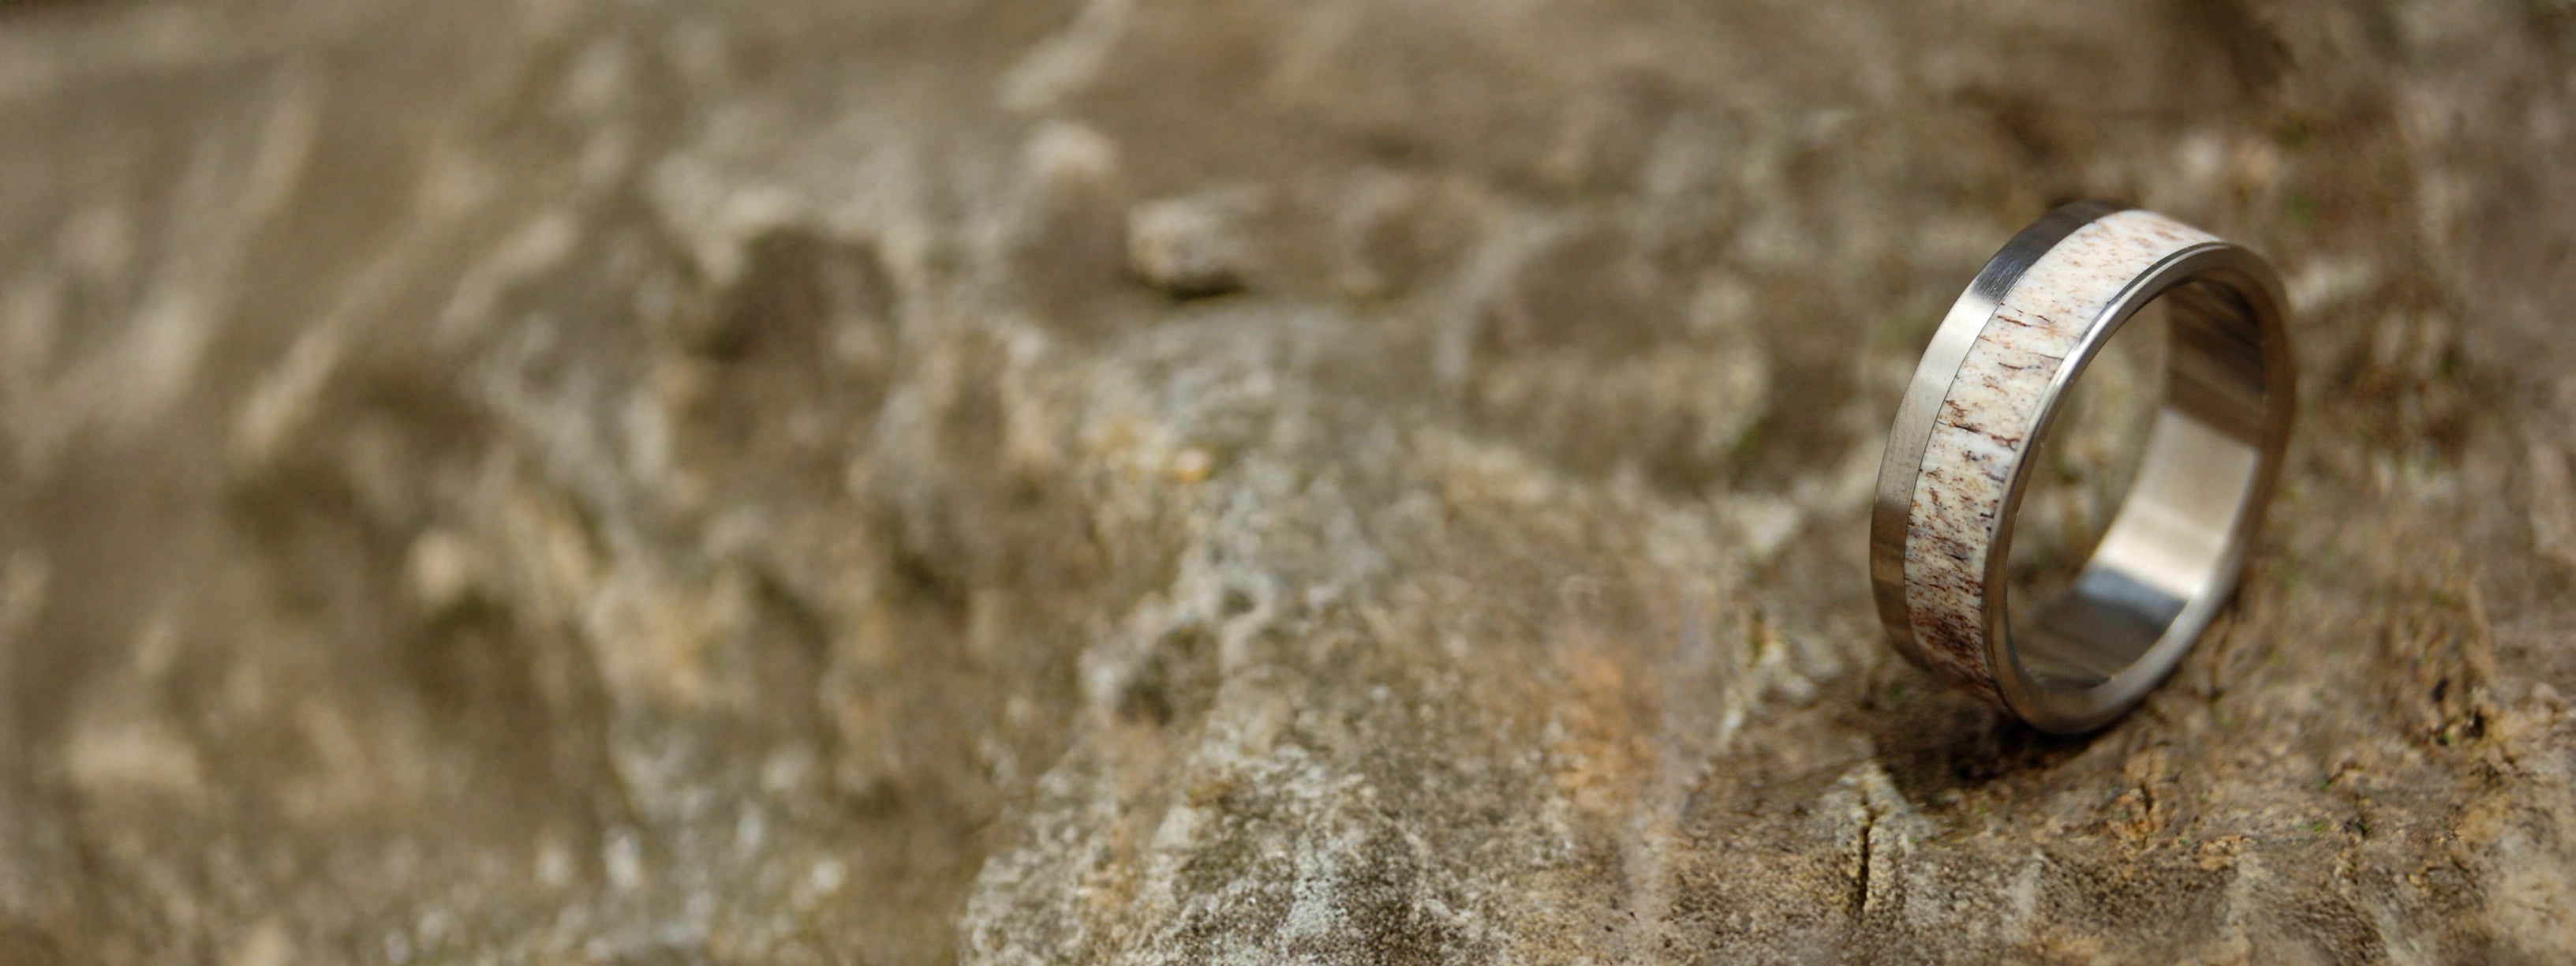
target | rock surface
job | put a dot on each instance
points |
(641, 482)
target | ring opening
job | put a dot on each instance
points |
(2110, 552)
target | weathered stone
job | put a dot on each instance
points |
(495, 481)
(1192, 246)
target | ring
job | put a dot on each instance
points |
(1996, 377)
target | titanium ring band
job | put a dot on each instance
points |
(1993, 381)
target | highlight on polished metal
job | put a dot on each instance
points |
(1994, 380)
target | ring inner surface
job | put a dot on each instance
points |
(2169, 412)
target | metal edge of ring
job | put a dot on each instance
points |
(1901, 465)
(2180, 267)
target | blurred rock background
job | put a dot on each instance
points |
(1151, 481)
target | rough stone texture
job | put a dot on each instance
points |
(647, 482)
(1983, 427)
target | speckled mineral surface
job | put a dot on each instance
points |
(1178, 481)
